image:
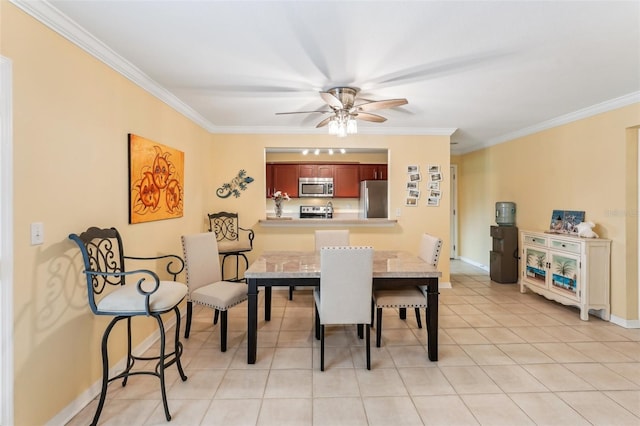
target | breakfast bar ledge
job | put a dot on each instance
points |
(289, 222)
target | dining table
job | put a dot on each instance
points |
(391, 268)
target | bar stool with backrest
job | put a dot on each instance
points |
(115, 291)
(408, 297)
(344, 295)
(233, 240)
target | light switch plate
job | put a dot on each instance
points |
(37, 233)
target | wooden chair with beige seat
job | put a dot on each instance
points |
(205, 284)
(408, 297)
(344, 295)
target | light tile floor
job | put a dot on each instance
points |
(505, 358)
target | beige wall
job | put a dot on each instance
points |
(71, 118)
(589, 165)
(72, 115)
(247, 152)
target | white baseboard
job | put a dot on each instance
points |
(474, 263)
(71, 410)
(625, 322)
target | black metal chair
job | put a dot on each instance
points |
(123, 294)
(233, 240)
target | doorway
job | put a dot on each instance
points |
(453, 223)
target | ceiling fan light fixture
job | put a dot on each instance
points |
(333, 126)
(352, 126)
(342, 130)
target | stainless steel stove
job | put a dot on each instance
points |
(316, 212)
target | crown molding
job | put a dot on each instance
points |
(619, 102)
(50, 16)
(389, 131)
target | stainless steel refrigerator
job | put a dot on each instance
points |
(373, 199)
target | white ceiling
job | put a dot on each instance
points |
(492, 70)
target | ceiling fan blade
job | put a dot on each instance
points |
(365, 116)
(331, 100)
(323, 122)
(374, 105)
(304, 112)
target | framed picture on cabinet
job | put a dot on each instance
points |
(565, 221)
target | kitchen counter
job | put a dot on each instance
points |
(297, 222)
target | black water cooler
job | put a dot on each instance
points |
(503, 267)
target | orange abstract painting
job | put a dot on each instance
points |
(156, 181)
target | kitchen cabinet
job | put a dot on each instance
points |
(373, 172)
(346, 183)
(571, 270)
(316, 170)
(282, 177)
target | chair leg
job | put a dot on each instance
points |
(246, 262)
(360, 328)
(161, 366)
(373, 309)
(378, 326)
(322, 347)
(418, 320)
(105, 369)
(216, 315)
(178, 346)
(130, 359)
(187, 327)
(368, 346)
(223, 331)
(291, 292)
(317, 326)
(403, 313)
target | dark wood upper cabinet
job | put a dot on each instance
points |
(373, 172)
(346, 182)
(282, 177)
(316, 170)
(346, 176)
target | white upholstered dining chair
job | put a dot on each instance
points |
(331, 238)
(327, 238)
(408, 297)
(205, 284)
(344, 295)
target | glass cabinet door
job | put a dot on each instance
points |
(565, 274)
(536, 272)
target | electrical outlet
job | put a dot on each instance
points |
(398, 212)
(37, 233)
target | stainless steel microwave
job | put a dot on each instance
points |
(315, 187)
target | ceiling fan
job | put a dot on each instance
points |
(345, 111)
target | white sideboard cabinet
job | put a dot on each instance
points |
(568, 269)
